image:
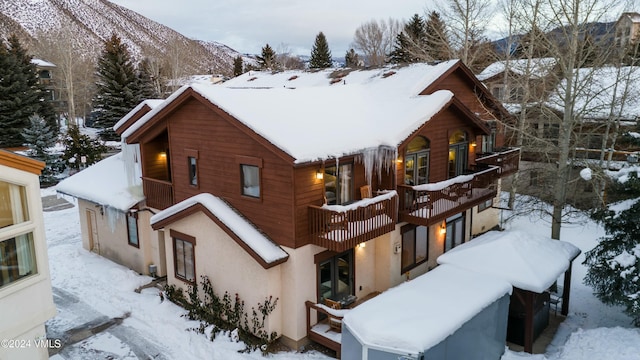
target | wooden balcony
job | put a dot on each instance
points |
(339, 228)
(430, 204)
(159, 193)
(507, 161)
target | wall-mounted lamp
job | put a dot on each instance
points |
(362, 245)
(399, 160)
(473, 144)
(443, 228)
(319, 175)
(163, 155)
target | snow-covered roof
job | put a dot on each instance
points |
(601, 88)
(633, 16)
(527, 261)
(103, 183)
(42, 63)
(419, 314)
(538, 67)
(151, 103)
(269, 251)
(382, 107)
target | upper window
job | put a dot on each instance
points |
(458, 150)
(193, 171)
(416, 165)
(132, 228)
(250, 176)
(13, 204)
(250, 180)
(338, 184)
(184, 256)
(488, 142)
(485, 205)
(415, 245)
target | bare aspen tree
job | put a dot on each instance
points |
(374, 39)
(286, 60)
(467, 21)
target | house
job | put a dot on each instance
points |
(605, 106)
(45, 71)
(109, 197)
(319, 186)
(627, 29)
(26, 300)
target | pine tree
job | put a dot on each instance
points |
(437, 44)
(21, 96)
(78, 145)
(320, 53)
(40, 139)
(351, 59)
(267, 60)
(145, 86)
(411, 42)
(614, 264)
(117, 86)
(237, 66)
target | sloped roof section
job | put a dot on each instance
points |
(364, 110)
(20, 162)
(526, 261)
(151, 103)
(419, 314)
(240, 229)
(104, 183)
(538, 68)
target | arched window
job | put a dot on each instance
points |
(458, 150)
(416, 166)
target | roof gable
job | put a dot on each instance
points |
(244, 233)
(134, 115)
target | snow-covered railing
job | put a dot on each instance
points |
(508, 161)
(339, 228)
(431, 203)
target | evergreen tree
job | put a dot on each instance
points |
(437, 44)
(78, 145)
(411, 42)
(40, 139)
(614, 264)
(351, 59)
(117, 86)
(237, 66)
(267, 60)
(21, 96)
(320, 53)
(144, 78)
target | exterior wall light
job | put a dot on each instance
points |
(319, 175)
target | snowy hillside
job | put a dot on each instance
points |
(93, 21)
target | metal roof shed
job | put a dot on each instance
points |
(448, 313)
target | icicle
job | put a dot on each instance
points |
(133, 169)
(382, 157)
(113, 217)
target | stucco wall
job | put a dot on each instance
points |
(228, 266)
(27, 303)
(113, 243)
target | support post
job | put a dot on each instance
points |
(528, 321)
(566, 291)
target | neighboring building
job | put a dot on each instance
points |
(627, 29)
(26, 300)
(316, 186)
(109, 197)
(46, 78)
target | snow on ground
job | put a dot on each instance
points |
(90, 288)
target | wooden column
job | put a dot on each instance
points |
(528, 321)
(566, 291)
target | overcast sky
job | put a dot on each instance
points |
(247, 25)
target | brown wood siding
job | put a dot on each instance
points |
(195, 126)
(438, 130)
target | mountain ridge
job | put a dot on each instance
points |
(93, 21)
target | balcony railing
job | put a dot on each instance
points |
(508, 161)
(159, 193)
(339, 228)
(429, 204)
